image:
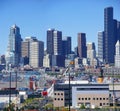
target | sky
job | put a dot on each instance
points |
(35, 17)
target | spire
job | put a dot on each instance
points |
(118, 43)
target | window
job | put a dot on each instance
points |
(103, 103)
(103, 98)
(61, 93)
(100, 98)
(58, 94)
(55, 99)
(88, 98)
(62, 99)
(96, 98)
(82, 98)
(55, 93)
(100, 104)
(93, 98)
(85, 98)
(78, 98)
(106, 98)
(58, 98)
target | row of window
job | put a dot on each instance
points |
(58, 99)
(79, 89)
(58, 93)
(92, 98)
(104, 104)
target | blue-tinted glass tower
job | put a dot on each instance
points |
(109, 35)
(13, 53)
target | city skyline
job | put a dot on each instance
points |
(34, 18)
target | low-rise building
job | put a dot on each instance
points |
(91, 95)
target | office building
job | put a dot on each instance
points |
(91, 52)
(36, 53)
(109, 35)
(50, 37)
(69, 45)
(76, 51)
(57, 42)
(101, 44)
(13, 53)
(2, 59)
(66, 46)
(47, 60)
(58, 60)
(117, 54)
(82, 50)
(25, 49)
(118, 30)
(91, 95)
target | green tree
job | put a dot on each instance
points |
(82, 106)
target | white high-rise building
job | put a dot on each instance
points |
(117, 54)
(36, 53)
(91, 53)
(47, 60)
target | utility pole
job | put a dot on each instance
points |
(10, 90)
(113, 89)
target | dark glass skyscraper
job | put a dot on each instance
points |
(82, 49)
(54, 42)
(109, 35)
(66, 46)
(50, 47)
(57, 42)
(13, 53)
(118, 30)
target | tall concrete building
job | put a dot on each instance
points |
(13, 53)
(91, 52)
(117, 55)
(47, 60)
(101, 52)
(36, 53)
(109, 35)
(82, 50)
(25, 49)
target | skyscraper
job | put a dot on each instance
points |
(91, 52)
(101, 44)
(54, 42)
(117, 55)
(118, 30)
(57, 42)
(109, 35)
(25, 49)
(50, 46)
(13, 53)
(82, 50)
(66, 46)
(36, 53)
(69, 45)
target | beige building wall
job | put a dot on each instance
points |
(90, 96)
(58, 100)
(93, 99)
